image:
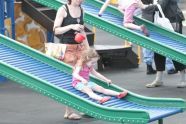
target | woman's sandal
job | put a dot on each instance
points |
(72, 116)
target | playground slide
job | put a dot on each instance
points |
(52, 78)
(162, 41)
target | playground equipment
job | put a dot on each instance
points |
(45, 17)
(6, 14)
(162, 41)
(7, 11)
(116, 57)
(119, 56)
(35, 70)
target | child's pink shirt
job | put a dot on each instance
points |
(84, 72)
(128, 7)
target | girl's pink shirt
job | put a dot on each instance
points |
(84, 72)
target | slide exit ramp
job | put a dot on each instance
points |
(162, 41)
(52, 78)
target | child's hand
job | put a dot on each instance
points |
(109, 81)
(85, 82)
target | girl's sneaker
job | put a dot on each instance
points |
(104, 99)
(122, 94)
(144, 30)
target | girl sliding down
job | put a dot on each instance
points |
(81, 81)
(128, 7)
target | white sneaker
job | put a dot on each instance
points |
(154, 84)
(72, 116)
(181, 85)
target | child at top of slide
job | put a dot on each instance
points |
(128, 7)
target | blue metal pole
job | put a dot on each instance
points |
(2, 79)
(50, 36)
(10, 14)
(2, 16)
(2, 26)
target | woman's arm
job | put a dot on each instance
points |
(151, 8)
(61, 13)
(141, 5)
(85, 42)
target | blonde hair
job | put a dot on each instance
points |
(88, 54)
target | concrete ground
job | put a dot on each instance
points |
(19, 105)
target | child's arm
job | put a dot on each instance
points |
(77, 76)
(97, 74)
(103, 7)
